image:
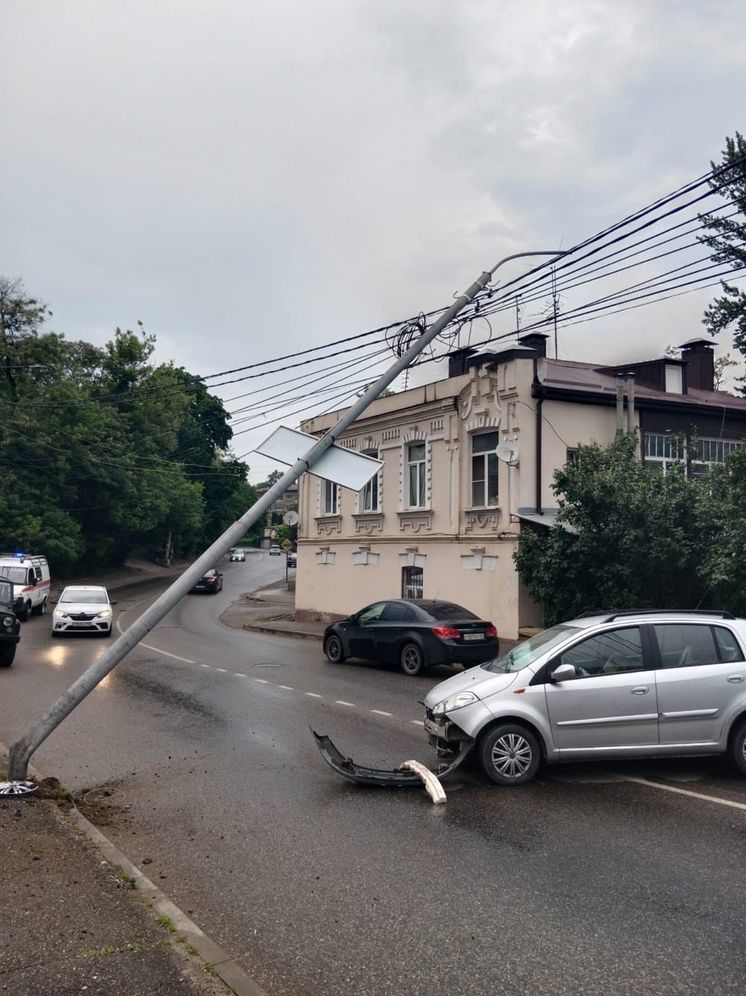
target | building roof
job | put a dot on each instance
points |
(571, 377)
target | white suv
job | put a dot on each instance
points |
(82, 608)
(614, 685)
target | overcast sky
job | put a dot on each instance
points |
(248, 178)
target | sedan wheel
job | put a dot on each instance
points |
(510, 755)
(738, 749)
(334, 650)
(411, 660)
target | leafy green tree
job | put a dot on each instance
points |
(726, 239)
(626, 537)
(722, 519)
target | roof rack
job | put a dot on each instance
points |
(717, 613)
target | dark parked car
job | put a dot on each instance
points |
(414, 633)
(9, 625)
(292, 559)
(212, 581)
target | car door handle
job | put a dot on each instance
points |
(735, 678)
(641, 690)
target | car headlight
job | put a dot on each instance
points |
(103, 614)
(457, 701)
(8, 621)
(60, 615)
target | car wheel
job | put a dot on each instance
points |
(7, 653)
(510, 754)
(24, 612)
(334, 650)
(39, 610)
(411, 659)
(738, 748)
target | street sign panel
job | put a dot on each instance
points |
(350, 470)
(287, 545)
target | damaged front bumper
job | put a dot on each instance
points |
(401, 777)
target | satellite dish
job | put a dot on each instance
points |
(507, 451)
(290, 518)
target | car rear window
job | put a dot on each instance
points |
(685, 644)
(727, 645)
(446, 610)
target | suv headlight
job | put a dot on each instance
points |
(8, 621)
(457, 701)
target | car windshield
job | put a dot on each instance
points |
(86, 597)
(528, 651)
(446, 610)
(6, 594)
(16, 574)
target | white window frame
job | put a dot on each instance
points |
(666, 450)
(663, 449)
(329, 498)
(487, 455)
(421, 475)
(709, 452)
(371, 491)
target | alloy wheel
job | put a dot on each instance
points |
(512, 755)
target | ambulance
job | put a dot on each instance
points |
(29, 576)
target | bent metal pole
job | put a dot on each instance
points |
(21, 750)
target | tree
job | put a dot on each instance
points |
(626, 537)
(726, 239)
(722, 517)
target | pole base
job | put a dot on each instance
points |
(17, 788)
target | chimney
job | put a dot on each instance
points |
(457, 361)
(699, 355)
(535, 340)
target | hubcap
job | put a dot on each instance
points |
(512, 755)
(411, 659)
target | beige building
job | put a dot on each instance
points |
(468, 462)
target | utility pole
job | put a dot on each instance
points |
(555, 309)
(22, 750)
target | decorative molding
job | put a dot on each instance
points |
(364, 558)
(325, 556)
(349, 444)
(478, 560)
(414, 435)
(416, 520)
(368, 523)
(412, 558)
(369, 443)
(326, 525)
(482, 420)
(389, 434)
(436, 425)
(481, 519)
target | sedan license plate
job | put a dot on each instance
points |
(473, 636)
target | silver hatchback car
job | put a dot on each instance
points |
(613, 685)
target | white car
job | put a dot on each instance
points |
(82, 608)
(275, 551)
(237, 555)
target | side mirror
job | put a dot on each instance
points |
(112, 601)
(565, 672)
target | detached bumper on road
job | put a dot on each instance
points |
(383, 777)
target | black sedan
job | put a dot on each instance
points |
(414, 633)
(211, 582)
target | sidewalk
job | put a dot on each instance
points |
(270, 610)
(72, 923)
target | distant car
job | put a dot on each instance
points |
(82, 608)
(414, 633)
(211, 581)
(237, 555)
(9, 625)
(292, 559)
(275, 551)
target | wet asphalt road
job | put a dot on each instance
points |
(584, 881)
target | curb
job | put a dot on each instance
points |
(281, 632)
(226, 969)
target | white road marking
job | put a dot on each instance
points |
(313, 695)
(417, 722)
(693, 795)
(239, 675)
(221, 669)
(342, 702)
(149, 646)
(380, 712)
(262, 681)
(206, 665)
(288, 688)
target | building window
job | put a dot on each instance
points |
(663, 450)
(369, 494)
(709, 453)
(572, 457)
(416, 474)
(484, 470)
(330, 498)
(412, 582)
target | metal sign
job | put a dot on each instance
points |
(287, 545)
(350, 470)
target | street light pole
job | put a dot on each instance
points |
(21, 751)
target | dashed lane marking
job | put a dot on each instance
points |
(239, 675)
(693, 795)
(313, 695)
(149, 646)
(288, 688)
(417, 722)
(206, 665)
(262, 681)
(342, 702)
(380, 712)
(222, 670)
